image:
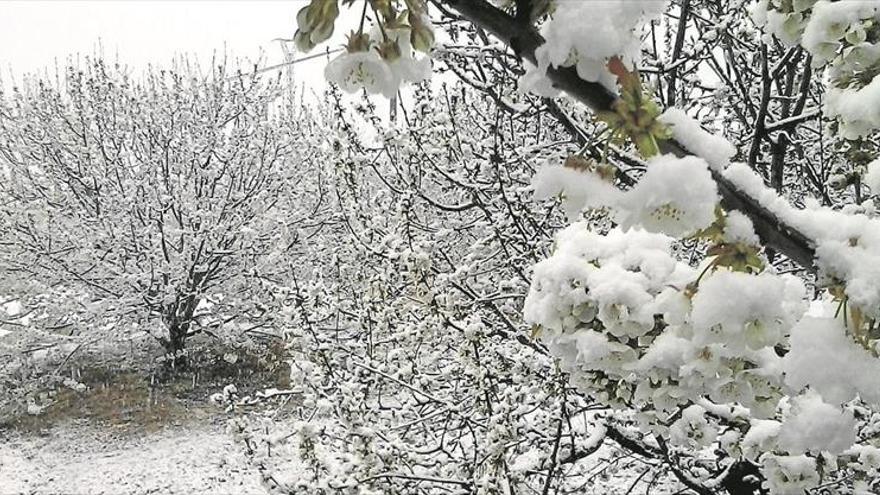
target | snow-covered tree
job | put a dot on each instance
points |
(156, 204)
(673, 298)
(404, 318)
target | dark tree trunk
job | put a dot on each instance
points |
(177, 332)
(744, 478)
(178, 319)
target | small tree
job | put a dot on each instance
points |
(147, 198)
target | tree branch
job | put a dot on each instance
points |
(772, 231)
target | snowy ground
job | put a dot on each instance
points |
(79, 459)
(123, 433)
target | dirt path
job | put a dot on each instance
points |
(81, 459)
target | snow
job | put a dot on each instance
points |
(82, 459)
(580, 190)
(787, 475)
(560, 295)
(623, 301)
(633, 248)
(716, 150)
(666, 352)
(615, 279)
(738, 228)
(692, 429)
(631, 266)
(760, 438)
(814, 426)
(824, 358)
(743, 310)
(12, 308)
(867, 457)
(674, 306)
(605, 29)
(596, 437)
(533, 81)
(847, 244)
(528, 461)
(592, 347)
(663, 202)
(872, 177)
(857, 109)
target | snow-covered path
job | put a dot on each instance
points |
(196, 459)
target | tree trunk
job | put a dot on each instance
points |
(176, 345)
(178, 316)
(178, 319)
(744, 478)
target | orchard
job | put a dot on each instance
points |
(595, 246)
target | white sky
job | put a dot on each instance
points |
(35, 34)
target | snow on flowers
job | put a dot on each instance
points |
(605, 29)
(676, 196)
(639, 330)
(824, 358)
(746, 311)
(680, 348)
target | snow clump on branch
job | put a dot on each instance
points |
(605, 29)
(661, 201)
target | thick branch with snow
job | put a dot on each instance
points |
(524, 40)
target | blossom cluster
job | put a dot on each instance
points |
(724, 355)
(660, 202)
(695, 356)
(605, 29)
(366, 68)
(379, 60)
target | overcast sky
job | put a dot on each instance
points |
(35, 34)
